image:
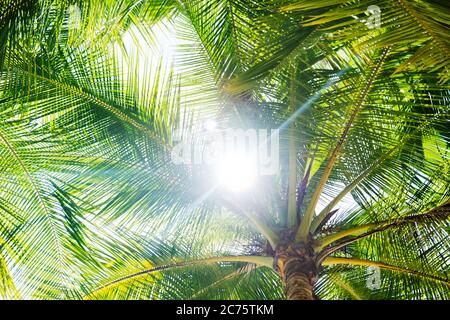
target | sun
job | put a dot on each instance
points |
(237, 172)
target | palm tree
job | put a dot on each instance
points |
(91, 205)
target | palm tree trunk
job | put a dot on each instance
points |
(296, 265)
(299, 279)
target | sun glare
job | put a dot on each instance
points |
(210, 125)
(237, 172)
